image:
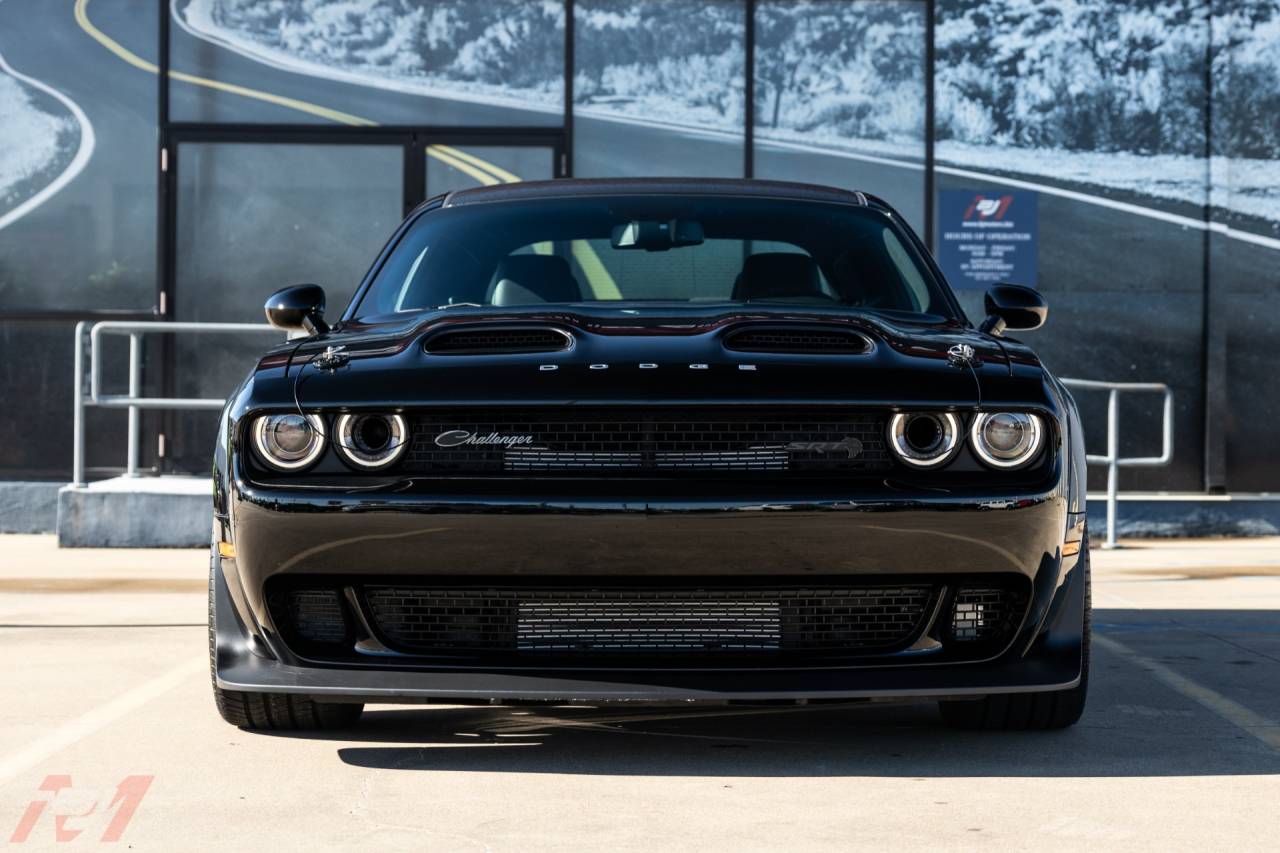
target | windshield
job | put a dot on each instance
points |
(656, 249)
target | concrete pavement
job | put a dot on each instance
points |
(104, 678)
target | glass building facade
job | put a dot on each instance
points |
(181, 160)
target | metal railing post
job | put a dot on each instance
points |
(1112, 459)
(1113, 466)
(88, 349)
(135, 414)
(77, 418)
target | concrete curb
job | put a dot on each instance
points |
(28, 507)
(1183, 516)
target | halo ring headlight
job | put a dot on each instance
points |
(371, 441)
(924, 439)
(289, 442)
(1006, 439)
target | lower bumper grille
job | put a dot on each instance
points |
(982, 614)
(612, 622)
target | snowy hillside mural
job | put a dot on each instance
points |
(39, 139)
(1115, 93)
(841, 73)
(674, 60)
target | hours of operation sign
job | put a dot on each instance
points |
(988, 237)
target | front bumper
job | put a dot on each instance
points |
(425, 538)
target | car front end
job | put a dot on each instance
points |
(651, 503)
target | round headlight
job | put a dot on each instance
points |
(1006, 439)
(289, 442)
(924, 439)
(371, 441)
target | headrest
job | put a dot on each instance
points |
(778, 274)
(525, 279)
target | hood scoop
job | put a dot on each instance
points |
(801, 340)
(502, 340)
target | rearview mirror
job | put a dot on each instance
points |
(1012, 306)
(655, 236)
(298, 308)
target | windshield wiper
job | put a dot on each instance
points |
(458, 305)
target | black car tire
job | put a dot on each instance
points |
(278, 711)
(1050, 709)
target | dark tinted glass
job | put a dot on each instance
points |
(621, 249)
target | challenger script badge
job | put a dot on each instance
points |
(459, 437)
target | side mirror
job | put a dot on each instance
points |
(298, 308)
(1012, 306)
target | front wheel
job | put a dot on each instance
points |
(266, 711)
(1048, 709)
(283, 711)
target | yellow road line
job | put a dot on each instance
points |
(478, 169)
(497, 171)
(82, 18)
(1233, 712)
(439, 152)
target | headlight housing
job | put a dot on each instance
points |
(289, 442)
(1006, 439)
(924, 439)
(371, 441)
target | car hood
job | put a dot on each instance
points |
(641, 356)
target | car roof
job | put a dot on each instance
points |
(579, 187)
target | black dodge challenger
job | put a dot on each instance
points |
(650, 441)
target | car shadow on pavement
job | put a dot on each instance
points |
(1135, 724)
(833, 740)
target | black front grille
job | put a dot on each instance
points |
(497, 341)
(427, 620)
(986, 614)
(800, 341)
(639, 441)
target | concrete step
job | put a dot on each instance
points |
(137, 512)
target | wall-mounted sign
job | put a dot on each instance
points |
(987, 237)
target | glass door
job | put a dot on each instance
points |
(254, 211)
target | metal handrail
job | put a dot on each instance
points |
(133, 401)
(1112, 459)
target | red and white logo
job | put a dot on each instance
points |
(983, 208)
(75, 810)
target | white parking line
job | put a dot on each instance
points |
(1267, 731)
(104, 715)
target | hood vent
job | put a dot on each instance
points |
(498, 341)
(799, 340)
